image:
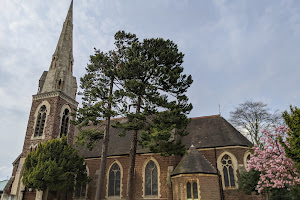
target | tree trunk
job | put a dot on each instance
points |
(132, 156)
(101, 177)
(45, 194)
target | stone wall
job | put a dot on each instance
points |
(208, 188)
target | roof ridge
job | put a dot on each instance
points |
(208, 116)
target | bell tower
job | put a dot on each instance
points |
(55, 99)
(51, 107)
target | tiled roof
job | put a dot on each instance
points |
(204, 132)
(194, 162)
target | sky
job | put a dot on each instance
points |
(235, 50)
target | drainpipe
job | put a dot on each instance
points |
(219, 177)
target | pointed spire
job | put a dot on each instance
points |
(60, 74)
(64, 48)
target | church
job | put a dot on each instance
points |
(216, 151)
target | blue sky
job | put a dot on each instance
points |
(235, 50)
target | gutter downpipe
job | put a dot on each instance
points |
(219, 176)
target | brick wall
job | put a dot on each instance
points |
(165, 191)
(52, 125)
(208, 190)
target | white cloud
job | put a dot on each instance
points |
(235, 50)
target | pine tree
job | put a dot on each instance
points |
(154, 85)
(55, 166)
(292, 120)
(99, 105)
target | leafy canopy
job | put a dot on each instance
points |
(153, 82)
(54, 165)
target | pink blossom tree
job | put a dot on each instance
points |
(276, 170)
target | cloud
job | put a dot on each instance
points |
(235, 50)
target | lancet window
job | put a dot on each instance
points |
(65, 123)
(81, 190)
(40, 122)
(114, 180)
(151, 179)
(192, 191)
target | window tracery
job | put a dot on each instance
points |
(228, 171)
(40, 122)
(151, 179)
(65, 123)
(114, 180)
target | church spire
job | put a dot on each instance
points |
(60, 74)
(64, 48)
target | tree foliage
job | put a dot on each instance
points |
(99, 104)
(248, 181)
(149, 91)
(54, 165)
(276, 170)
(292, 120)
(151, 72)
(253, 117)
(153, 92)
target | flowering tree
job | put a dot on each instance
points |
(276, 170)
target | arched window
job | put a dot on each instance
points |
(64, 123)
(192, 191)
(246, 159)
(228, 171)
(81, 190)
(114, 180)
(151, 179)
(40, 122)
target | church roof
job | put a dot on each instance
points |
(204, 132)
(194, 162)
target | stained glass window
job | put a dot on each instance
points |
(192, 191)
(195, 190)
(114, 180)
(64, 123)
(151, 179)
(188, 190)
(228, 171)
(80, 191)
(40, 122)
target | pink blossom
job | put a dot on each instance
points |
(276, 170)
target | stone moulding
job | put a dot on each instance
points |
(55, 94)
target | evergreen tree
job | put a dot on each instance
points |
(55, 166)
(154, 88)
(293, 122)
(99, 105)
(248, 181)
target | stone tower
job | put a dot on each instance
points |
(55, 100)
